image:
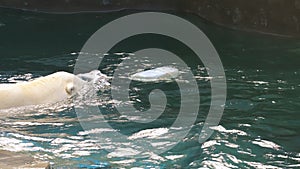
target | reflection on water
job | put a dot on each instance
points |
(247, 131)
(259, 128)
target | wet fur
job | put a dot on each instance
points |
(49, 89)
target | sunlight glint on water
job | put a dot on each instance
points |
(259, 128)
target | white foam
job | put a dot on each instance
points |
(62, 140)
(210, 143)
(81, 153)
(157, 74)
(96, 131)
(258, 82)
(174, 157)
(30, 137)
(149, 133)
(233, 131)
(34, 124)
(12, 144)
(266, 144)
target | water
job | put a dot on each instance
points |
(259, 127)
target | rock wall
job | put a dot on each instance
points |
(281, 17)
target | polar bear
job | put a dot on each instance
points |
(48, 89)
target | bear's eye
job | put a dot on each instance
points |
(70, 88)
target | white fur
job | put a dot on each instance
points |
(49, 89)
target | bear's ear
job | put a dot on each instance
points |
(70, 88)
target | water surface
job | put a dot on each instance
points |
(259, 127)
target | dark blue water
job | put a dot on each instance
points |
(259, 127)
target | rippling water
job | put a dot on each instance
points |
(259, 127)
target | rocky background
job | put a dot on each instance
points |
(279, 17)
